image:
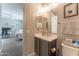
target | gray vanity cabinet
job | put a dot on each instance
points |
(43, 47)
(37, 46)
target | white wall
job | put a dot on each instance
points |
(15, 25)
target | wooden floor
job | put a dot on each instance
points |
(10, 47)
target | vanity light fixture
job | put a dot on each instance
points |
(54, 5)
(42, 10)
(47, 8)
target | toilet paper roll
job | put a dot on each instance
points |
(53, 50)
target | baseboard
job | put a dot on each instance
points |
(30, 54)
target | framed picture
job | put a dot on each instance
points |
(70, 10)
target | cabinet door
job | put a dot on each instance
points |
(51, 45)
(43, 48)
(37, 46)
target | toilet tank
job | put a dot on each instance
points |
(69, 50)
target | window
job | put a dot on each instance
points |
(54, 24)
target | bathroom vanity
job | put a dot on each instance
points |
(45, 45)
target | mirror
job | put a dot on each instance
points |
(39, 24)
(45, 25)
(42, 24)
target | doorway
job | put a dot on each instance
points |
(11, 28)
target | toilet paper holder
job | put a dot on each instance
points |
(53, 50)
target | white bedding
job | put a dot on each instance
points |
(19, 34)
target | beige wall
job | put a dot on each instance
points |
(73, 27)
(29, 27)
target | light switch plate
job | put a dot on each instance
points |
(27, 31)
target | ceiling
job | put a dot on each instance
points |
(12, 10)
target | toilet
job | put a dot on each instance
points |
(69, 50)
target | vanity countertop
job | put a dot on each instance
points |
(49, 37)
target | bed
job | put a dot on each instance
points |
(19, 35)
